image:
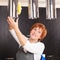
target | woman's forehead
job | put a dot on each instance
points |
(37, 27)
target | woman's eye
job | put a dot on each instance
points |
(34, 29)
(38, 31)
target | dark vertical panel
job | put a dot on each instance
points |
(8, 46)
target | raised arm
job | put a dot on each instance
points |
(12, 32)
(19, 35)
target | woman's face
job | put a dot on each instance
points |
(35, 33)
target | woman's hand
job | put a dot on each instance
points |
(12, 24)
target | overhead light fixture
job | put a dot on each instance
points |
(50, 9)
(14, 8)
(33, 9)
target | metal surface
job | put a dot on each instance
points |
(33, 9)
(12, 7)
(50, 9)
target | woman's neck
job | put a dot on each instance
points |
(33, 40)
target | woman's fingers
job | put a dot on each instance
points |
(12, 23)
(17, 20)
(8, 20)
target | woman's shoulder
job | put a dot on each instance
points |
(41, 44)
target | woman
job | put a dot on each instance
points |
(32, 47)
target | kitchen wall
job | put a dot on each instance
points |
(9, 47)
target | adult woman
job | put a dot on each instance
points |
(32, 45)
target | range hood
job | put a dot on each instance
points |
(12, 8)
(33, 9)
(50, 9)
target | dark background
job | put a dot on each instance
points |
(9, 47)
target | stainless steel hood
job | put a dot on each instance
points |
(33, 9)
(12, 8)
(50, 9)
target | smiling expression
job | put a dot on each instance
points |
(35, 33)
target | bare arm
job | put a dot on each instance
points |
(12, 32)
(14, 25)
